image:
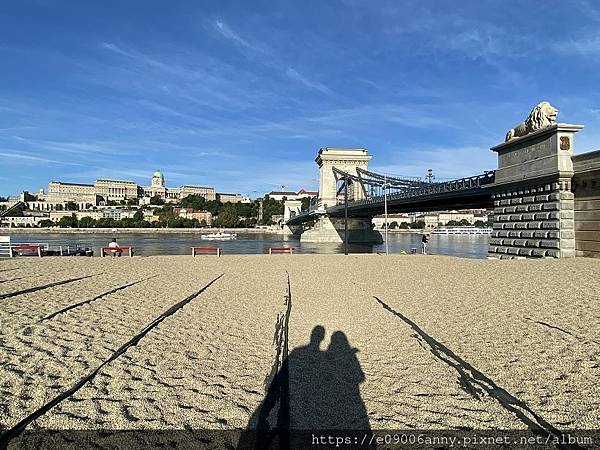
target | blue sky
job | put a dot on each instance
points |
(241, 95)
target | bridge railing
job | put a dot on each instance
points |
(432, 188)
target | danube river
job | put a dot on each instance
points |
(147, 244)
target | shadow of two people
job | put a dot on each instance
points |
(313, 390)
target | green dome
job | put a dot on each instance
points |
(158, 173)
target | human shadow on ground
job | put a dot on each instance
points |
(314, 390)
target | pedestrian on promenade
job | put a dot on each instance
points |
(424, 242)
(115, 248)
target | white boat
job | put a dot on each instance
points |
(463, 231)
(219, 236)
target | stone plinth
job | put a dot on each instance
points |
(331, 230)
(533, 202)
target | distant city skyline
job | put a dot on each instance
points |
(241, 96)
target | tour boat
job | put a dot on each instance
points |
(219, 236)
(463, 231)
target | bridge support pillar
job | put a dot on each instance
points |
(331, 230)
(533, 202)
(291, 208)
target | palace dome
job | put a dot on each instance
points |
(158, 174)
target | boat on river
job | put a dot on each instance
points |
(219, 236)
(463, 231)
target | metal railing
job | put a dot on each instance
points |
(375, 187)
(461, 184)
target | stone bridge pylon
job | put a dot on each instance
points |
(324, 228)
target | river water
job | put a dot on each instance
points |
(147, 244)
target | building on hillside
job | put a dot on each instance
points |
(118, 213)
(379, 221)
(281, 195)
(55, 216)
(59, 193)
(290, 195)
(22, 221)
(188, 213)
(434, 219)
(158, 189)
(150, 215)
(115, 190)
(103, 191)
(441, 218)
(310, 194)
(208, 193)
(230, 198)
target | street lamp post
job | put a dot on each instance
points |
(385, 212)
(345, 215)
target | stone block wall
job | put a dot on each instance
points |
(586, 187)
(536, 221)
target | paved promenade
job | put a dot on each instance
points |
(398, 342)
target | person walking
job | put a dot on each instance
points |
(424, 242)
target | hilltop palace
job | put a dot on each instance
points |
(104, 190)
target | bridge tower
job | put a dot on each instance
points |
(346, 159)
(327, 229)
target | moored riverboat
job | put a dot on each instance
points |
(219, 236)
(463, 231)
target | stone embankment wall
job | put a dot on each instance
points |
(586, 187)
(535, 221)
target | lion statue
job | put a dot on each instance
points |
(542, 116)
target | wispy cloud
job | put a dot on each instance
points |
(584, 46)
(296, 76)
(24, 157)
(116, 49)
(228, 33)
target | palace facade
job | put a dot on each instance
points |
(87, 196)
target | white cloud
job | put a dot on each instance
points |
(296, 76)
(228, 33)
(24, 157)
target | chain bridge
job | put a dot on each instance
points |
(402, 194)
(533, 193)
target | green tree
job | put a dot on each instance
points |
(194, 201)
(393, 225)
(305, 203)
(106, 222)
(464, 223)
(46, 223)
(71, 206)
(479, 223)
(68, 221)
(139, 215)
(228, 217)
(87, 222)
(452, 223)
(403, 226)
(156, 200)
(417, 224)
(270, 207)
